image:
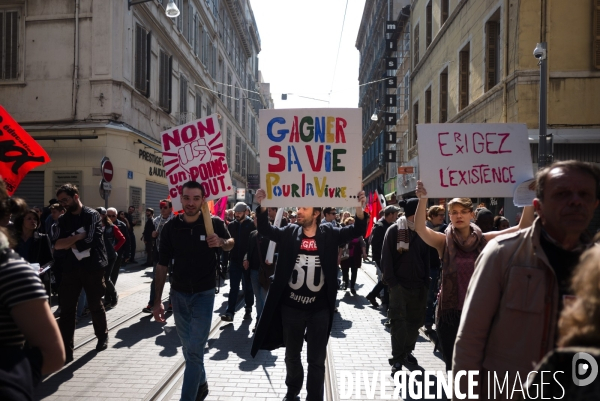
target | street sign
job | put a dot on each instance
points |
(107, 170)
(106, 186)
(104, 192)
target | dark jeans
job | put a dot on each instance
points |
(345, 272)
(237, 273)
(132, 246)
(377, 290)
(149, 253)
(406, 312)
(111, 291)
(447, 329)
(431, 296)
(114, 274)
(73, 280)
(295, 323)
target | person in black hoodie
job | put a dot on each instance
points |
(239, 230)
(79, 247)
(260, 271)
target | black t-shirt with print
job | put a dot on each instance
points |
(306, 288)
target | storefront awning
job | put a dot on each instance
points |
(389, 196)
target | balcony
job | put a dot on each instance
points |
(373, 166)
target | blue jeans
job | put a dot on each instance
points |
(193, 315)
(237, 274)
(259, 292)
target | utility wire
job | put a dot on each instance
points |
(339, 46)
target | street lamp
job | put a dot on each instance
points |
(544, 141)
(171, 10)
(375, 116)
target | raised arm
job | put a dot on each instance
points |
(431, 238)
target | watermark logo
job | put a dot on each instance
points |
(584, 369)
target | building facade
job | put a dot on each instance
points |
(95, 78)
(472, 62)
(381, 83)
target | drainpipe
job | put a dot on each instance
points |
(75, 64)
(505, 69)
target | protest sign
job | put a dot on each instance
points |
(473, 160)
(19, 152)
(194, 151)
(311, 157)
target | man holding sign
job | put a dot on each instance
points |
(192, 254)
(302, 297)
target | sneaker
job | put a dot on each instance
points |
(248, 314)
(397, 367)
(373, 300)
(388, 323)
(147, 309)
(170, 308)
(226, 317)
(410, 359)
(202, 392)
(102, 344)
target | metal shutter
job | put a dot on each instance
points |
(32, 189)
(154, 193)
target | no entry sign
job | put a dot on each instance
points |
(107, 170)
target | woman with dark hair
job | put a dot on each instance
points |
(113, 241)
(501, 223)
(458, 247)
(122, 217)
(33, 246)
(25, 316)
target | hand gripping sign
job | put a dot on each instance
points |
(194, 152)
(19, 152)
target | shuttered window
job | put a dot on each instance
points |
(179, 19)
(444, 96)
(236, 104)
(142, 60)
(428, 105)
(413, 142)
(198, 105)
(244, 158)
(197, 37)
(428, 25)
(463, 79)
(492, 53)
(445, 11)
(416, 44)
(238, 154)
(229, 146)
(165, 79)
(183, 89)
(596, 33)
(9, 43)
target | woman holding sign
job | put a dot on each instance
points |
(458, 248)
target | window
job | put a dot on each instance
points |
(228, 90)
(198, 105)
(205, 40)
(244, 158)
(416, 44)
(165, 77)
(236, 104)
(492, 54)
(413, 141)
(142, 60)
(208, 109)
(444, 96)
(243, 100)
(9, 43)
(463, 78)
(229, 146)
(183, 87)
(428, 25)
(179, 21)
(238, 154)
(188, 22)
(197, 32)
(444, 11)
(428, 105)
(406, 91)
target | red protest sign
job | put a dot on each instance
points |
(19, 152)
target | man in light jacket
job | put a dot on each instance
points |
(521, 282)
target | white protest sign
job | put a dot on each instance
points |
(194, 152)
(473, 160)
(311, 157)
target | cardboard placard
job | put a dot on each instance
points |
(311, 157)
(194, 151)
(473, 160)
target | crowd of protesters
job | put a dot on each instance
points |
(457, 274)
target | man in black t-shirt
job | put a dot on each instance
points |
(192, 256)
(301, 299)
